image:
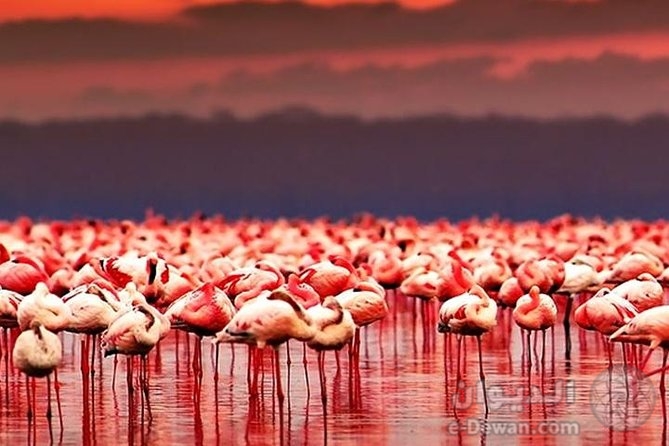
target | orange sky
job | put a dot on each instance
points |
(134, 9)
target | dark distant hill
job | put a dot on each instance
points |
(297, 162)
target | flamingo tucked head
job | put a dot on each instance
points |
(298, 287)
(344, 263)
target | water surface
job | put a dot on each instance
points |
(406, 392)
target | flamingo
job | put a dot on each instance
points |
(490, 273)
(43, 307)
(456, 278)
(307, 297)
(605, 313)
(470, 314)
(635, 263)
(426, 282)
(579, 276)
(335, 328)
(304, 293)
(422, 283)
(535, 312)
(509, 293)
(386, 267)
(547, 273)
(204, 311)
(37, 353)
(331, 277)
(22, 274)
(366, 302)
(93, 307)
(643, 292)
(9, 305)
(269, 321)
(245, 284)
(650, 327)
(135, 332)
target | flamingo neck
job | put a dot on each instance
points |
(532, 304)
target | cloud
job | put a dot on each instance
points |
(108, 96)
(611, 84)
(275, 28)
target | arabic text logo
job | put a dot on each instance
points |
(622, 398)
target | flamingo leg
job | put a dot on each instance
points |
(93, 351)
(216, 363)
(56, 386)
(321, 373)
(145, 385)
(249, 367)
(609, 352)
(306, 370)
(30, 411)
(663, 389)
(459, 373)
(567, 328)
(482, 375)
(627, 389)
(84, 359)
(277, 371)
(48, 409)
(543, 355)
(529, 352)
(114, 372)
(646, 358)
(48, 399)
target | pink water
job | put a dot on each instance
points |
(406, 394)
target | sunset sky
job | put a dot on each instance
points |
(536, 58)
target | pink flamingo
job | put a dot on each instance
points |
(635, 263)
(650, 327)
(546, 273)
(509, 293)
(490, 273)
(245, 284)
(22, 274)
(204, 311)
(535, 312)
(9, 305)
(331, 277)
(43, 307)
(456, 278)
(93, 308)
(643, 292)
(579, 276)
(335, 328)
(470, 314)
(136, 332)
(605, 313)
(367, 304)
(37, 353)
(386, 267)
(269, 321)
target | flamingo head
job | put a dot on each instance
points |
(344, 263)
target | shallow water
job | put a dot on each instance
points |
(407, 393)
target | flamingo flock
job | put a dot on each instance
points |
(122, 286)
